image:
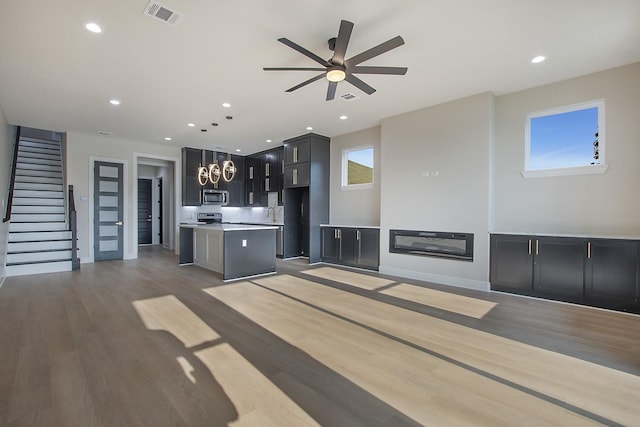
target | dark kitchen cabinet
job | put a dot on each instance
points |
(236, 185)
(297, 175)
(191, 188)
(512, 263)
(355, 247)
(215, 157)
(597, 272)
(612, 272)
(306, 194)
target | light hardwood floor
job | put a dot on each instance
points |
(148, 343)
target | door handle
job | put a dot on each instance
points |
(119, 223)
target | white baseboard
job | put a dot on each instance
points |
(459, 282)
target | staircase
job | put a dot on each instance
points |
(39, 236)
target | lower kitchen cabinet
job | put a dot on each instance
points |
(597, 272)
(355, 247)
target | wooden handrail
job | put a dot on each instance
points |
(14, 163)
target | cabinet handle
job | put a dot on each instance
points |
(282, 166)
(266, 169)
(266, 184)
(339, 234)
(357, 234)
(537, 246)
(295, 176)
(295, 154)
(529, 246)
(589, 250)
(251, 197)
(250, 172)
(335, 233)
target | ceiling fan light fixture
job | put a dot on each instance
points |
(336, 75)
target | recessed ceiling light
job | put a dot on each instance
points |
(93, 27)
(114, 102)
(268, 140)
(238, 150)
(168, 138)
(538, 59)
(343, 117)
(226, 105)
(309, 128)
(191, 125)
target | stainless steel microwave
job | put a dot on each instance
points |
(215, 197)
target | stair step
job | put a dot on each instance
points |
(34, 201)
(36, 186)
(37, 217)
(38, 179)
(38, 161)
(37, 209)
(44, 156)
(48, 245)
(41, 173)
(40, 194)
(36, 142)
(31, 166)
(38, 150)
(37, 226)
(39, 268)
(36, 236)
(39, 256)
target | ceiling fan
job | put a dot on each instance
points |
(338, 68)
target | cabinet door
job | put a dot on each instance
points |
(250, 168)
(251, 196)
(236, 186)
(369, 248)
(329, 249)
(348, 246)
(297, 152)
(558, 270)
(612, 271)
(191, 189)
(296, 175)
(511, 263)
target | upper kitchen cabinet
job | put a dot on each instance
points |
(236, 186)
(298, 150)
(191, 188)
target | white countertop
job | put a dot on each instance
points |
(229, 227)
(377, 227)
(280, 224)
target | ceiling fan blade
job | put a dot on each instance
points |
(303, 51)
(375, 51)
(306, 82)
(293, 69)
(331, 91)
(359, 84)
(344, 34)
(399, 71)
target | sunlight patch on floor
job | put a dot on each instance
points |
(349, 278)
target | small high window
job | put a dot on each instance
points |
(357, 168)
(565, 141)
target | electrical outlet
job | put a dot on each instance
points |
(434, 173)
(425, 174)
(244, 243)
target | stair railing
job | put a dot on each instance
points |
(14, 164)
(73, 227)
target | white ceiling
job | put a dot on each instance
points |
(55, 75)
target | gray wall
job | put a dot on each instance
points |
(454, 140)
(606, 204)
(355, 207)
(6, 151)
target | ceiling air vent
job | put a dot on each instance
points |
(156, 10)
(349, 97)
(105, 133)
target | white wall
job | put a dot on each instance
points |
(606, 205)
(454, 140)
(82, 150)
(354, 207)
(6, 152)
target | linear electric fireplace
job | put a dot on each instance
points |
(432, 243)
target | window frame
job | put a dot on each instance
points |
(344, 179)
(570, 170)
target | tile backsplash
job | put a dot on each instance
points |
(232, 214)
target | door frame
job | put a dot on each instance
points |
(175, 195)
(125, 205)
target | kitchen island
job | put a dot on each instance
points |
(233, 250)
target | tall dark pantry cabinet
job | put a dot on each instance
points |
(306, 194)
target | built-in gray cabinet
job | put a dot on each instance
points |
(592, 271)
(352, 246)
